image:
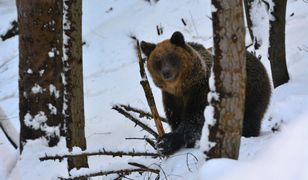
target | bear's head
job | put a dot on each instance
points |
(170, 63)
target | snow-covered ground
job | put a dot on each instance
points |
(112, 76)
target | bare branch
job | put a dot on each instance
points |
(102, 152)
(152, 143)
(121, 173)
(135, 120)
(141, 112)
(148, 93)
(13, 31)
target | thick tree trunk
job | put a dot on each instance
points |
(40, 68)
(74, 113)
(230, 76)
(277, 49)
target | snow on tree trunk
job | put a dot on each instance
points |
(229, 79)
(277, 48)
(40, 68)
(73, 96)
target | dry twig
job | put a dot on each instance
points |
(141, 112)
(13, 31)
(121, 173)
(148, 93)
(100, 152)
(135, 120)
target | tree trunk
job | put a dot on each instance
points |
(40, 68)
(277, 49)
(73, 97)
(230, 76)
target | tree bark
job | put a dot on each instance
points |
(73, 97)
(230, 76)
(40, 68)
(277, 49)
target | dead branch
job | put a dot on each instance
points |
(8, 129)
(148, 140)
(135, 120)
(148, 92)
(141, 112)
(13, 31)
(121, 173)
(102, 152)
(152, 143)
(141, 166)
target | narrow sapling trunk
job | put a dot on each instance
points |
(277, 46)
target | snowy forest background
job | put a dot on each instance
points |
(111, 76)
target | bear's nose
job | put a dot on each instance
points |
(167, 75)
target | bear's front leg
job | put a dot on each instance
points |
(169, 143)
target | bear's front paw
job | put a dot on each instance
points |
(170, 143)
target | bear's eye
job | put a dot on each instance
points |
(158, 64)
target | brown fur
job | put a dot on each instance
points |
(181, 71)
(189, 72)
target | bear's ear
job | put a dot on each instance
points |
(177, 38)
(147, 48)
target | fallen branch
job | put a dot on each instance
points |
(152, 143)
(121, 173)
(135, 120)
(100, 152)
(141, 112)
(148, 93)
(13, 31)
(8, 129)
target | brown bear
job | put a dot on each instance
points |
(181, 70)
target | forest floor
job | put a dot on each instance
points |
(111, 76)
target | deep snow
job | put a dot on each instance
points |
(112, 76)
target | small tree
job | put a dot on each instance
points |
(277, 48)
(230, 76)
(40, 69)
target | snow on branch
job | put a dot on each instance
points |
(121, 173)
(102, 152)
